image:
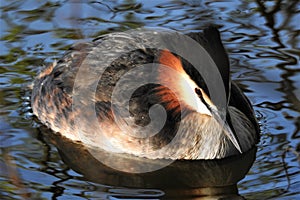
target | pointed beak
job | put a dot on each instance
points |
(227, 130)
(232, 137)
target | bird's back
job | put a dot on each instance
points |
(78, 91)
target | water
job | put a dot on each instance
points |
(262, 40)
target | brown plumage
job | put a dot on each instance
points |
(193, 127)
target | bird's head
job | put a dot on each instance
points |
(181, 94)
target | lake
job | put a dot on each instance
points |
(262, 39)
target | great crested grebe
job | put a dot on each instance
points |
(189, 108)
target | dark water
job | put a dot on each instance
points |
(262, 39)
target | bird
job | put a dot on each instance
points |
(73, 97)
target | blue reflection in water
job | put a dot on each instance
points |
(262, 39)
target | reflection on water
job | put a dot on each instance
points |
(213, 178)
(262, 39)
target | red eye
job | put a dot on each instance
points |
(198, 92)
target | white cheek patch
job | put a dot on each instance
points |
(173, 76)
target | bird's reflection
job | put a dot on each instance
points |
(182, 179)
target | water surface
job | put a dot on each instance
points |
(262, 39)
